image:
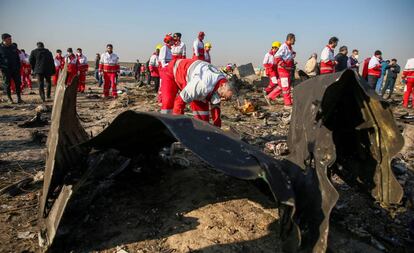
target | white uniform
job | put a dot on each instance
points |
(201, 81)
(165, 56)
(179, 49)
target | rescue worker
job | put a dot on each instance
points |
(154, 68)
(178, 49)
(229, 68)
(365, 64)
(83, 70)
(165, 55)
(12, 85)
(328, 61)
(72, 69)
(284, 59)
(59, 65)
(164, 58)
(374, 69)
(26, 70)
(198, 47)
(207, 48)
(408, 77)
(270, 67)
(198, 83)
(10, 66)
(109, 69)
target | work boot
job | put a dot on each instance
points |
(42, 95)
(10, 99)
(266, 98)
(19, 99)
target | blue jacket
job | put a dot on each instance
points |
(384, 68)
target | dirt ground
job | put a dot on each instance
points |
(181, 208)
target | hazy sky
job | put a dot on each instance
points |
(240, 31)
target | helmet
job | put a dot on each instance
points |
(276, 44)
(168, 38)
(158, 46)
(208, 44)
(201, 34)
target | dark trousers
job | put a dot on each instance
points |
(7, 77)
(389, 84)
(372, 81)
(41, 78)
(137, 75)
(98, 77)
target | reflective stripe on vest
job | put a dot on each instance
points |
(165, 111)
(201, 113)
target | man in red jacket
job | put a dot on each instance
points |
(207, 48)
(153, 66)
(26, 70)
(271, 68)
(198, 47)
(109, 69)
(72, 69)
(59, 65)
(200, 84)
(83, 69)
(179, 49)
(408, 76)
(284, 59)
(328, 61)
(374, 69)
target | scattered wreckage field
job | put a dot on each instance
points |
(180, 204)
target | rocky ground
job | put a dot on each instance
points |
(188, 208)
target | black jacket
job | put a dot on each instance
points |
(41, 60)
(9, 59)
(393, 71)
(137, 67)
(342, 62)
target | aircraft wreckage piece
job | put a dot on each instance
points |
(337, 126)
(62, 157)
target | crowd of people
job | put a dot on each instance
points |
(380, 75)
(180, 80)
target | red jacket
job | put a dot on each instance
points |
(180, 72)
(61, 59)
(374, 67)
(408, 75)
(327, 60)
(284, 58)
(72, 64)
(269, 65)
(365, 68)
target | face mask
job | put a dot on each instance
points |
(356, 56)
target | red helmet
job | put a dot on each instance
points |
(201, 34)
(168, 38)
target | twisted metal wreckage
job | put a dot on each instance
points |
(337, 126)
